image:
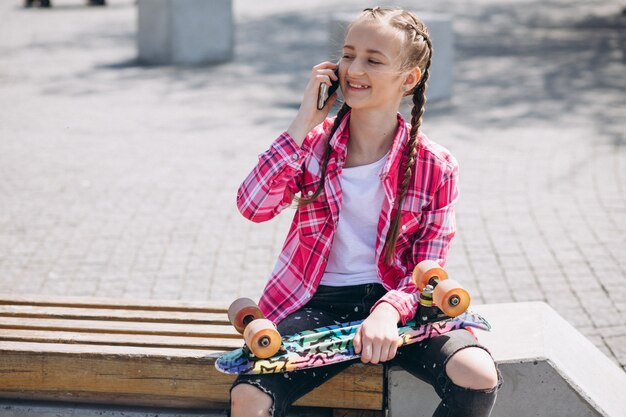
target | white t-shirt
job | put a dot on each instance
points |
(352, 255)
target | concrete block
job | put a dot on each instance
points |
(185, 32)
(549, 369)
(442, 36)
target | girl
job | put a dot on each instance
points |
(376, 197)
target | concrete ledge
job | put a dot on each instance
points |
(549, 369)
(442, 36)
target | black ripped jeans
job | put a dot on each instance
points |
(425, 360)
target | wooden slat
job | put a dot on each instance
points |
(91, 326)
(180, 342)
(83, 313)
(30, 372)
(78, 350)
(109, 303)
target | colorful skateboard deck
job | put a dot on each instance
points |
(332, 344)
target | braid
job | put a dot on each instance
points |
(419, 102)
(302, 201)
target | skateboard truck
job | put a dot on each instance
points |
(426, 310)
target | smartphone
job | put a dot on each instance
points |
(325, 91)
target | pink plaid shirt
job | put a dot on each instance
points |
(428, 220)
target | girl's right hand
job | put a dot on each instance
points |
(308, 115)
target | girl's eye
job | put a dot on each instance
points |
(347, 57)
(371, 61)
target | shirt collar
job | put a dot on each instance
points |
(339, 142)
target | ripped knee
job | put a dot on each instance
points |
(472, 368)
(249, 400)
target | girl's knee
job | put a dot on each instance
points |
(248, 400)
(472, 368)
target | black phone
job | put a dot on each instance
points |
(325, 91)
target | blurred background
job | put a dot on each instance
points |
(118, 179)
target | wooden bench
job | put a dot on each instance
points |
(140, 353)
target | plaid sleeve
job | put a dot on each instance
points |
(270, 187)
(433, 238)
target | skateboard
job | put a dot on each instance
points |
(443, 308)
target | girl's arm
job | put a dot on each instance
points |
(271, 185)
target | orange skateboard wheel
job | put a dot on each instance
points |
(425, 271)
(451, 298)
(262, 338)
(242, 311)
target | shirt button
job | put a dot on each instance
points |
(404, 227)
(310, 193)
(295, 156)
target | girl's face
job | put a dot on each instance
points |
(369, 70)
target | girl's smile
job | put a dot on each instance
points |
(357, 86)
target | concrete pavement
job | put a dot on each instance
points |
(118, 180)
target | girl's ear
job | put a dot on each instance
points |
(413, 77)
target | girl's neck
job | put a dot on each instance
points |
(371, 135)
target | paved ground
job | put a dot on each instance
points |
(119, 180)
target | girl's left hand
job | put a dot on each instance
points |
(377, 337)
